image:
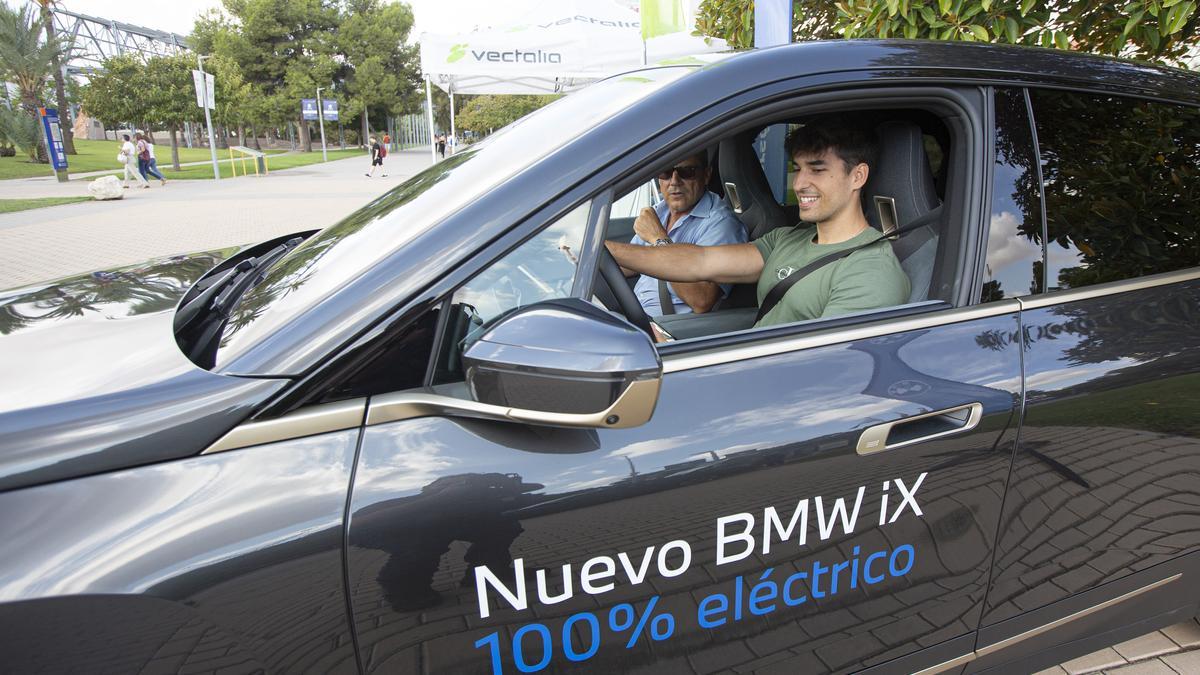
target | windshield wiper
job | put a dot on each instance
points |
(198, 322)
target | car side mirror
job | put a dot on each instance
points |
(565, 363)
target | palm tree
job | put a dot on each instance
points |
(60, 87)
(27, 60)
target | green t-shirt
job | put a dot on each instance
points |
(869, 278)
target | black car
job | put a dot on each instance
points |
(413, 442)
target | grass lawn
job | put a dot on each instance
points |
(101, 155)
(12, 205)
(276, 163)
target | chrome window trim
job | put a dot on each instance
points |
(1111, 288)
(318, 419)
(819, 338)
(822, 338)
(632, 408)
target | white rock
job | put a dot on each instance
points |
(106, 187)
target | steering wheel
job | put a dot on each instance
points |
(627, 302)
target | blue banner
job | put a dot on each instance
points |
(308, 108)
(329, 109)
(54, 142)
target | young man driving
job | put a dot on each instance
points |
(832, 159)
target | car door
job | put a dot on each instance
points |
(1100, 527)
(805, 500)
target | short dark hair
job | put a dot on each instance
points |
(850, 140)
(126, 136)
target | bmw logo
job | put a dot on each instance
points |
(907, 388)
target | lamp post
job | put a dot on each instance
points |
(321, 122)
(212, 140)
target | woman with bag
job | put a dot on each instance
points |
(126, 157)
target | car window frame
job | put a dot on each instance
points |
(967, 241)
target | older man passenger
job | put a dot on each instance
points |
(687, 214)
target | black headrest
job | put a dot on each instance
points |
(900, 173)
(746, 189)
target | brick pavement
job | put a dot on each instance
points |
(182, 216)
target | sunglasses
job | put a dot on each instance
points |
(685, 172)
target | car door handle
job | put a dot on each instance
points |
(920, 428)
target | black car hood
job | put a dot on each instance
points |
(93, 379)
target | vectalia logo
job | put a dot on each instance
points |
(517, 56)
(457, 52)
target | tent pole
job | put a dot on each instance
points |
(429, 113)
(452, 130)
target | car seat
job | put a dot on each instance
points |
(747, 191)
(899, 191)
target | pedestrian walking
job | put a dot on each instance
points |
(152, 167)
(127, 156)
(441, 145)
(377, 154)
(143, 157)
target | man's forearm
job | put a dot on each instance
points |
(699, 295)
(677, 262)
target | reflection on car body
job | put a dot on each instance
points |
(435, 437)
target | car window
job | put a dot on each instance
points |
(906, 138)
(542, 268)
(631, 203)
(1122, 186)
(1014, 235)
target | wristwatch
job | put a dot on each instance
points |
(663, 241)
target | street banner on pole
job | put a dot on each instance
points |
(308, 108)
(205, 82)
(329, 109)
(54, 142)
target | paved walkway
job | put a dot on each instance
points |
(184, 215)
(1174, 650)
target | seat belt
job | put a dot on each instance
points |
(664, 298)
(780, 289)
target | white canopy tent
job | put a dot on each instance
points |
(558, 46)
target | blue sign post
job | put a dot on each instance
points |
(54, 142)
(329, 109)
(308, 108)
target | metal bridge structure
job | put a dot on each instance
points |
(96, 39)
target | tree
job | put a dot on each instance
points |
(110, 97)
(27, 60)
(60, 89)
(381, 69)
(20, 130)
(733, 21)
(484, 113)
(283, 50)
(1158, 30)
(168, 81)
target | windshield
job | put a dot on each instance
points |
(338, 254)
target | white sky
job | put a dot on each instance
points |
(178, 16)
